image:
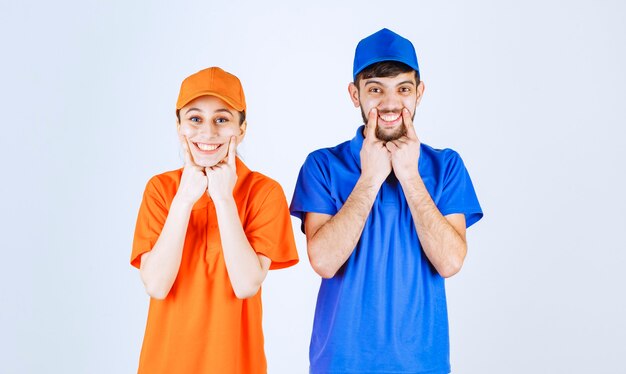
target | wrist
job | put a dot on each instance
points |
(368, 182)
(410, 179)
(181, 203)
(222, 201)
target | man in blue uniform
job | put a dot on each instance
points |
(385, 218)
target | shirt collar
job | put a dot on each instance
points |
(242, 173)
(357, 143)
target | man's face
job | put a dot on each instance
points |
(206, 124)
(389, 96)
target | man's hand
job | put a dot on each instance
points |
(375, 158)
(221, 178)
(405, 151)
(193, 182)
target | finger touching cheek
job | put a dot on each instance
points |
(238, 139)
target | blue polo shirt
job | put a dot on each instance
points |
(384, 311)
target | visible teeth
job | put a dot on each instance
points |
(207, 147)
(390, 117)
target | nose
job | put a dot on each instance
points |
(390, 102)
(210, 130)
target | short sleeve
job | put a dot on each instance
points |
(269, 229)
(312, 192)
(150, 221)
(458, 195)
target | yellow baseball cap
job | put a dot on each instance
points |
(212, 81)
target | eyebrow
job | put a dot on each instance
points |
(372, 81)
(192, 110)
(224, 110)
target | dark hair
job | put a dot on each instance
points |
(385, 69)
(242, 116)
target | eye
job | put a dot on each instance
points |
(405, 89)
(221, 120)
(375, 90)
(195, 119)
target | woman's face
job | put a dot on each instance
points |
(206, 125)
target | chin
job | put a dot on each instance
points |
(207, 162)
(390, 134)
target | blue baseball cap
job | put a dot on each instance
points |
(383, 45)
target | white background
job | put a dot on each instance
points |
(530, 93)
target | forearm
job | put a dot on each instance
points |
(245, 271)
(332, 244)
(159, 267)
(441, 242)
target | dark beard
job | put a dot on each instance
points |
(385, 137)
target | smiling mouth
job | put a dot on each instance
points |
(207, 148)
(389, 119)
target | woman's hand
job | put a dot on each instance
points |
(193, 182)
(221, 178)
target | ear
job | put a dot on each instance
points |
(353, 90)
(420, 93)
(243, 127)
